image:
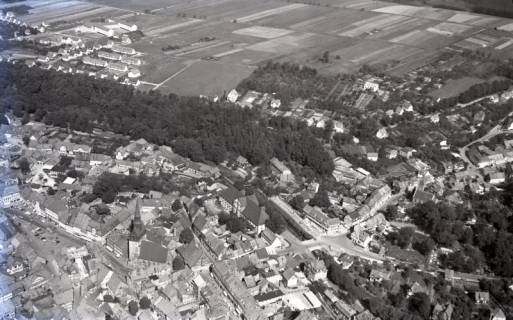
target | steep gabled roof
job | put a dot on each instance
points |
(153, 252)
(256, 215)
(230, 194)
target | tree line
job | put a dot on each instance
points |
(195, 127)
(480, 233)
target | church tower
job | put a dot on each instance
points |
(137, 231)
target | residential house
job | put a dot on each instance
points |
(378, 198)
(338, 126)
(232, 96)
(281, 170)
(345, 310)
(382, 133)
(377, 275)
(390, 153)
(242, 162)
(407, 152)
(482, 297)
(275, 103)
(9, 196)
(421, 196)
(64, 299)
(373, 156)
(316, 270)
(497, 177)
(254, 214)
(290, 279)
(270, 237)
(366, 315)
(330, 226)
(345, 260)
(371, 85)
(361, 238)
(497, 314)
(229, 199)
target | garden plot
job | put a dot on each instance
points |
(166, 29)
(263, 32)
(209, 78)
(93, 12)
(284, 44)
(507, 27)
(402, 30)
(363, 5)
(352, 52)
(373, 24)
(449, 29)
(270, 12)
(404, 10)
(335, 22)
(286, 19)
(504, 45)
(246, 57)
(462, 17)
(56, 10)
(421, 38)
(419, 12)
(222, 10)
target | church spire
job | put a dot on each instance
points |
(137, 211)
(137, 229)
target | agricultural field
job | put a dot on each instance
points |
(220, 41)
(210, 77)
(455, 87)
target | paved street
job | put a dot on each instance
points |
(336, 245)
(99, 250)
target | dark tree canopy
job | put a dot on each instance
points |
(321, 199)
(176, 205)
(178, 263)
(419, 304)
(298, 202)
(133, 307)
(195, 127)
(186, 236)
(144, 303)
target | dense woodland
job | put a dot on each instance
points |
(501, 8)
(393, 300)
(487, 242)
(290, 81)
(195, 127)
(474, 92)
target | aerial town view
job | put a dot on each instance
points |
(256, 159)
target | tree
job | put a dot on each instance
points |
(424, 245)
(391, 213)
(276, 221)
(177, 205)
(108, 298)
(73, 173)
(404, 236)
(321, 199)
(24, 165)
(178, 263)
(419, 304)
(102, 209)
(133, 307)
(26, 140)
(325, 57)
(233, 223)
(194, 127)
(144, 303)
(298, 202)
(186, 236)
